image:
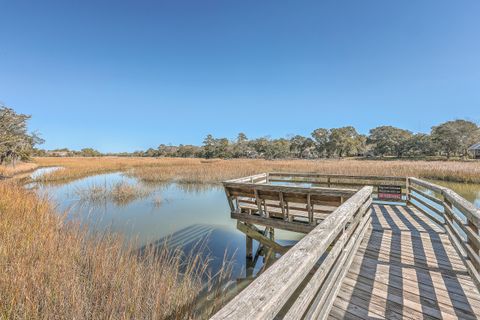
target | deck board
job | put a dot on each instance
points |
(406, 268)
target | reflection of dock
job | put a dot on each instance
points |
(196, 233)
(416, 258)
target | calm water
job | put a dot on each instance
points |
(469, 191)
(183, 215)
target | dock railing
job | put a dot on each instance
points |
(459, 217)
(334, 179)
(305, 280)
(300, 198)
(325, 180)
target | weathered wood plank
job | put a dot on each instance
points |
(427, 205)
(254, 233)
(248, 179)
(275, 223)
(466, 207)
(417, 269)
(431, 283)
(340, 182)
(264, 298)
(469, 231)
(423, 211)
(326, 296)
(427, 196)
(335, 192)
(308, 293)
(436, 188)
(321, 175)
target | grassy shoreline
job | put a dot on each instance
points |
(56, 269)
(192, 170)
(21, 168)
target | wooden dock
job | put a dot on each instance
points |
(361, 257)
(406, 268)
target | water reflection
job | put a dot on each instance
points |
(469, 191)
(177, 214)
(181, 215)
(42, 171)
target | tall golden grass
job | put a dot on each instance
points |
(23, 167)
(201, 171)
(53, 269)
(120, 193)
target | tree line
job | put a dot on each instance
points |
(449, 139)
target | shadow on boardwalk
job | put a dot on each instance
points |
(406, 267)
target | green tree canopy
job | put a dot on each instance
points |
(321, 137)
(90, 152)
(388, 140)
(454, 137)
(346, 141)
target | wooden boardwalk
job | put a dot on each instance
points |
(406, 268)
(360, 258)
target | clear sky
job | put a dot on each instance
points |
(128, 75)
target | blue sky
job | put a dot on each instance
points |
(128, 75)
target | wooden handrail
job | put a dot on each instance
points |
(297, 189)
(269, 293)
(325, 253)
(467, 244)
(466, 207)
(249, 178)
(322, 175)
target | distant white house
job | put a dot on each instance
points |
(475, 150)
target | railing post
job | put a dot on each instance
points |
(472, 243)
(309, 209)
(447, 209)
(407, 190)
(230, 202)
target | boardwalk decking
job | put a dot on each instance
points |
(360, 258)
(406, 268)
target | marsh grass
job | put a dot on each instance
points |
(54, 269)
(216, 170)
(92, 194)
(23, 167)
(158, 201)
(121, 193)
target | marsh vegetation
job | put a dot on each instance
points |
(120, 193)
(214, 171)
(121, 259)
(53, 268)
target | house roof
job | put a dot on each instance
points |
(476, 146)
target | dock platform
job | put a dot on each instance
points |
(406, 268)
(374, 248)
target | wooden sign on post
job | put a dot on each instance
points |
(390, 192)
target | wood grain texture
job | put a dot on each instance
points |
(401, 273)
(266, 296)
(388, 261)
